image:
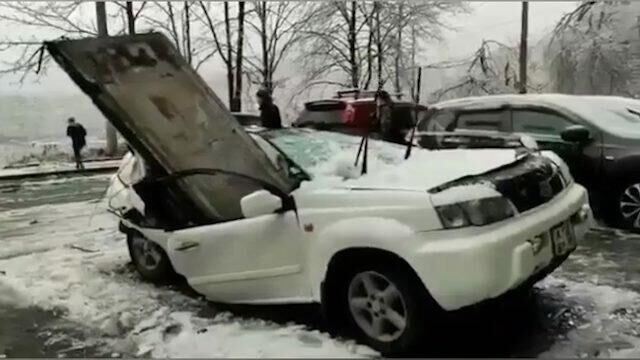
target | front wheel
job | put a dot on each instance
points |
(628, 206)
(388, 309)
(149, 259)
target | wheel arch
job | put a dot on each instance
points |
(381, 234)
(337, 276)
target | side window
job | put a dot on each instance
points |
(482, 120)
(440, 121)
(538, 122)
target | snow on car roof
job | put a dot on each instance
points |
(559, 100)
(619, 116)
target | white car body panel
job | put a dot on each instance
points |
(281, 258)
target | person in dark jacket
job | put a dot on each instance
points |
(77, 133)
(391, 128)
(269, 112)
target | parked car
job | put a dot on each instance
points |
(597, 136)
(350, 111)
(283, 216)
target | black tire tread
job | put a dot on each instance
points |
(165, 272)
(423, 311)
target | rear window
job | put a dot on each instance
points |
(322, 112)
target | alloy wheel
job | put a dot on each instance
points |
(147, 254)
(377, 306)
(629, 205)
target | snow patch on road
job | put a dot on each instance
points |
(65, 263)
(190, 336)
(9, 296)
(611, 325)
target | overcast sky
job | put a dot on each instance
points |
(498, 20)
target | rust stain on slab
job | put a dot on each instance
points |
(166, 107)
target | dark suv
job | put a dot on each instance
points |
(597, 136)
(350, 111)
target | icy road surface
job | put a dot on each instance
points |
(67, 289)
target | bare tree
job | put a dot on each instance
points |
(278, 27)
(590, 54)
(60, 18)
(236, 103)
(355, 43)
(183, 24)
(488, 71)
(63, 17)
(23, 54)
(229, 50)
(411, 25)
(339, 39)
(131, 14)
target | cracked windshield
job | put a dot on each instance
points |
(319, 179)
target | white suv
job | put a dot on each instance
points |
(283, 216)
(385, 250)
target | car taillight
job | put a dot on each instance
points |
(348, 114)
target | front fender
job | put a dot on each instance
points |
(367, 232)
(158, 236)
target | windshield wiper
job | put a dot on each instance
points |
(364, 143)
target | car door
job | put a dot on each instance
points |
(546, 126)
(256, 260)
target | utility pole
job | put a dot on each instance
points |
(524, 34)
(101, 19)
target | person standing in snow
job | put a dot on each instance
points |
(269, 112)
(77, 133)
(391, 129)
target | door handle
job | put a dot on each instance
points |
(187, 245)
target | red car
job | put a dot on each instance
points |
(350, 111)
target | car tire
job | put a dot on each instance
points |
(625, 206)
(387, 308)
(149, 259)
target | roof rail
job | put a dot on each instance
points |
(358, 93)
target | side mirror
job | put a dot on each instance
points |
(576, 134)
(260, 203)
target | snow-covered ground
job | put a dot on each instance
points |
(61, 258)
(67, 258)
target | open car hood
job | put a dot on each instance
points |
(172, 119)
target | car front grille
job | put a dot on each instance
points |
(532, 188)
(527, 183)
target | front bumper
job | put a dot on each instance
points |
(466, 266)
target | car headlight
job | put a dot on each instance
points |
(475, 212)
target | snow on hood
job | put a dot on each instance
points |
(423, 171)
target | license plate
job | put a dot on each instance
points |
(563, 239)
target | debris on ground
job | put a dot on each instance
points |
(76, 247)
